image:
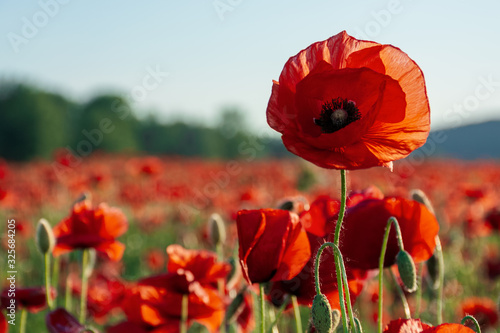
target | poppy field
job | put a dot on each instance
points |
(157, 211)
(349, 236)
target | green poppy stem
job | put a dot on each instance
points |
(48, 295)
(55, 273)
(85, 285)
(68, 305)
(262, 308)
(184, 313)
(471, 318)
(419, 290)
(296, 312)
(278, 315)
(439, 252)
(342, 284)
(343, 199)
(401, 294)
(24, 319)
(391, 221)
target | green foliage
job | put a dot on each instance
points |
(34, 123)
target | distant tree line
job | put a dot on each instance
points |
(35, 123)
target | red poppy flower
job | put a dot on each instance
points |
(416, 326)
(322, 210)
(105, 294)
(364, 227)
(89, 227)
(303, 284)
(61, 321)
(154, 304)
(31, 299)
(405, 326)
(3, 323)
(483, 309)
(348, 104)
(202, 264)
(273, 244)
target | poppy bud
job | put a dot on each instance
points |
(217, 231)
(407, 270)
(433, 271)
(84, 196)
(419, 196)
(336, 315)
(287, 205)
(45, 240)
(322, 314)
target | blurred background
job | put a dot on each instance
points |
(194, 78)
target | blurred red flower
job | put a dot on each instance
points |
(482, 308)
(3, 323)
(32, 299)
(155, 259)
(154, 304)
(89, 227)
(344, 103)
(416, 326)
(61, 321)
(406, 326)
(273, 245)
(364, 227)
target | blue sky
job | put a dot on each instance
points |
(226, 53)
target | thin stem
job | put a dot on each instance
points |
(401, 295)
(278, 315)
(184, 313)
(342, 283)
(419, 290)
(343, 199)
(24, 318)
(391, 221)
(67, 294)
(48, 295)
(439, 252)
(471, 318)
(296, 312)
(85, 285)
(262, 308)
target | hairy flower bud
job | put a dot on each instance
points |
(407, 271)
(217, 231)
(45, 240)
(322, 314)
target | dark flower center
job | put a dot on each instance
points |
(337, 114)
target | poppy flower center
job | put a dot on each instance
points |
(337, 114)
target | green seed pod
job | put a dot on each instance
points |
(45, 240)
(217, 231)
(407, 270)
(322, 314)
(336, 316)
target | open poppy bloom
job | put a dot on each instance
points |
(61, 321)
(89, 227)
(273, 244)
(416, 326)
(364, 227)
(344, 103)
(32, 299)
(154, 304)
